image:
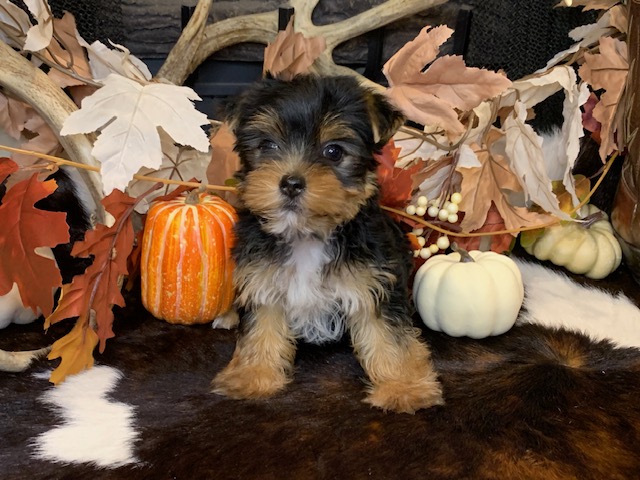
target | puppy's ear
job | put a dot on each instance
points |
(229, 110)
(385, 119)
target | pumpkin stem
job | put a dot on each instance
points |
(464, 255)
(193, 197)
(589, 220)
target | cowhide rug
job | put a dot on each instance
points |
(538, 402)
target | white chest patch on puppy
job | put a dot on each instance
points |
(313, 311)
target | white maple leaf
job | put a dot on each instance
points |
(535, 88)
(467, 157)
(572, 132)
(128, 115)
(431, 187)
(39, 35)
(15, 20)
(178, 163)
(412, 147)
(523, 149)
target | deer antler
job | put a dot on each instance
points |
(32, 86)
(263, 27)
(175, 69)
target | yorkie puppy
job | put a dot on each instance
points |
(315, 254)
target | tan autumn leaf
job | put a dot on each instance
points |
(13, 116)
(65, 50)
(407, 63)
(490, 183)
(291, 53)
(39, 138)
(16, 21)
(449, 79)
(619, 18)
(607, 70)
(225, 162)
(425, 108)
(434, 97)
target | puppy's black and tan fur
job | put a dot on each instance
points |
(315, 254)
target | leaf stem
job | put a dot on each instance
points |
(70, 163)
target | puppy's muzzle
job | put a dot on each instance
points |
(292, 186)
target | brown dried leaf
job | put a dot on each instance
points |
(224, 160)
(425, 108)
(619, 18)
(407, 63)
(607, 70)
(489, 184)
(449, 79)
(434, 97)
(13, 116)
(65, 50)
(291, 53)
(41, 139)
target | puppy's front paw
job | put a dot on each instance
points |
(249, 381)
(227, 320)
(405, 397)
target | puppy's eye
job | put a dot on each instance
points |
(267, 145)
(333, 152)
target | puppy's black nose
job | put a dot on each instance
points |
(292, 185)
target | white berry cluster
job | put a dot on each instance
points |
(445, 212)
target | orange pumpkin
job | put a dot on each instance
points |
(186, 266)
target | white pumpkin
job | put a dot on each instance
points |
(590, 249)
(474, 294)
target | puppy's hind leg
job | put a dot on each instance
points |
(263, 359)
(398, 364)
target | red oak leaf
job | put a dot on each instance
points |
(25, 229)
(497, 243)
(97, 290)
(7, 167)
(396, 184)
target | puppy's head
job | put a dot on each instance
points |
(306, 148)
